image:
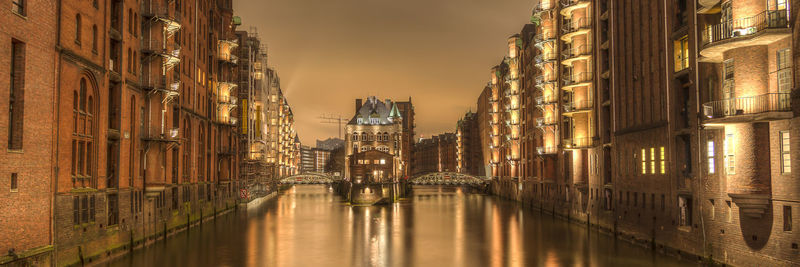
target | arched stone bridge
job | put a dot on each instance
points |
(447, 178)
(308, 178)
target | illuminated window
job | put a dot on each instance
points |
(710, 157)
(663, 164)
(383, 162)
(652, 160)
(644, 161)
(729, 149)
(786, 163)
(784, 63)
(681, 50)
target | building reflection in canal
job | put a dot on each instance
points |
(310, 226)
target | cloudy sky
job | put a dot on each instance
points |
(330, 52)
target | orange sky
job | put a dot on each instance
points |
(330, 52)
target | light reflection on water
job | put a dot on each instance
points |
(310, 226)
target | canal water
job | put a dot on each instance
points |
(311, 226)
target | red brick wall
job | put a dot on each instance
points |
(25, 214)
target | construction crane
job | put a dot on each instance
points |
(333, 119)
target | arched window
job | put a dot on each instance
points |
(363, 136)
(82, 136)
(94, 39)
(187, 136)
(130, 21)
(78, 29)
(355, 136)
(130, 60)
(133, 138)
(133, 70)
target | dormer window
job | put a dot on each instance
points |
(374, 121)
(360, 121)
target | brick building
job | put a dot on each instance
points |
(376, 125)
(135, 124)
(436, 154)
(469, 155)
(648, 116)
(27, 91)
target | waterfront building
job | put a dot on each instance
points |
(436, 154)
(469, 155)
(376, 126)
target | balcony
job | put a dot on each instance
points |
(577, 107)
(567, 6)
(766, 107)
(761, 29)
(583, 52)
(574, 28)
(542, 101)
(171, 136)
(229, 58)
(545, 122)
(578, 79)
(169, 57)
(161, 14)
(540, 39)
(544, 58)
(546, 150)
(542, 7)
(578, 143)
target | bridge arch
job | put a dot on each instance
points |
(447, 178)
(308, 178)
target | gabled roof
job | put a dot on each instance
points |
(376, 109)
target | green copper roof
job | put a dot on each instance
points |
(394, 113)
(237, 20)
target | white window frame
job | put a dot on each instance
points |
(785, 149)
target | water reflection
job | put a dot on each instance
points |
(310, 226)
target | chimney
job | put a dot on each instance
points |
(358, 104)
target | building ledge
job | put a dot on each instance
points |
(751, 205)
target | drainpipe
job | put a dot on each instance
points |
(56, 115)
(700, 129)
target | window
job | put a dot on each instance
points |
(685, 214)
(83, 209)
(644, 161)
(786, 162)
(16, 98)
(113, 209)
(383, 162)
(374, 121)
(78, 29)
(14, 182)
(711, 210)
(776, 4)
(787, 218)
(663, 164)
(729, 214)
(18, 6)
(710, 157)
(681, 50)
(728, 146)
(94, 39)
(652, 160)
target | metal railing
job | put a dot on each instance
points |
(770, 19)
(546, 150)
(581, 23)
(543, 37)
(541, 122)
(577, 78)
(542, 100)
(580, 142)
(544, 6)
(577, 106)
(748, 105)
(576, 51)
(545, 57)
(569, 3)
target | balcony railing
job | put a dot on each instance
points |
(581, 23)
(577, 106)
(577, 78)
(581, 50)
(569, 3)
(546, 150)
(774, 102)
(576, 143)
(542, 122)
(771, 19)
(545, 57)
(542, 100)
(544, 37)
(170, 136)
(161, 14)
(544, 6)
